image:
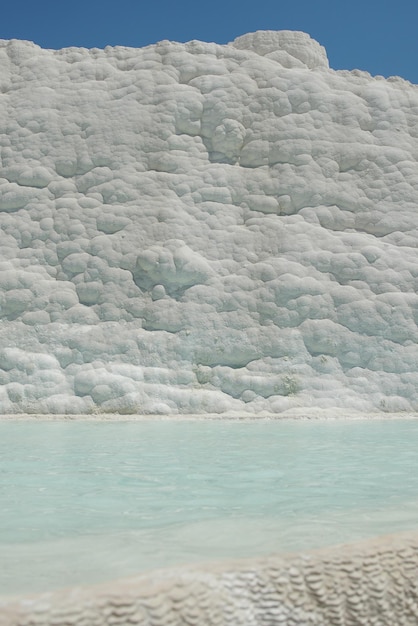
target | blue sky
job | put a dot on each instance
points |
(379, 36)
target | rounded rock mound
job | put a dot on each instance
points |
(290, 48)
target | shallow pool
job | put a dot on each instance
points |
(83, 502)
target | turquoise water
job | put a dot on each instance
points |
(83, 502)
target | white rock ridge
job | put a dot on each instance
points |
(201, 228)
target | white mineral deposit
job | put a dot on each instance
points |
(200, 228)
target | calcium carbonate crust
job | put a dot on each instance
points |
(200, 228)
(373, 582)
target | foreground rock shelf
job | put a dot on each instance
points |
(368, 583)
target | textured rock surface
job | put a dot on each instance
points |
(193, 228)
(374, 583)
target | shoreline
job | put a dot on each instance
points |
(314, 414)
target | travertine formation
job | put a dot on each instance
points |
(370, 584)
(197, 228)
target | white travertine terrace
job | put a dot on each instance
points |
(373, 583)
(202, 228)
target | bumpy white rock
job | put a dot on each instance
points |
(197, 228)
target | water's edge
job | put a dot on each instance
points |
(310, 413)
(371, 581)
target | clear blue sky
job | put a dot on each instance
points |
(379, 36)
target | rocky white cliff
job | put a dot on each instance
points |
(193, 228)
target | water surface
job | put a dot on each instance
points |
(86, 501)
